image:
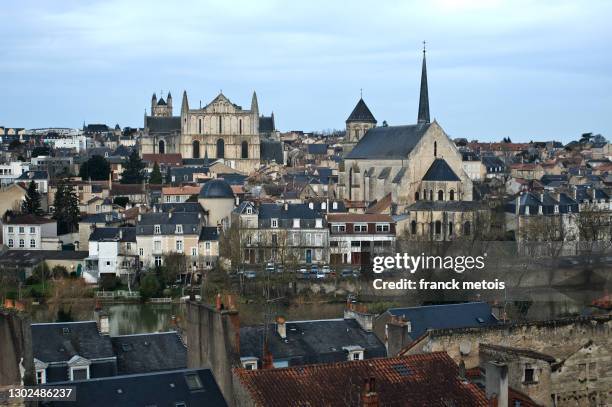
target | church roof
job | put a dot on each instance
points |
(361, 113)
(392, 142)
(161, 102)
(440, 171)
(163, 124)
(266, 124)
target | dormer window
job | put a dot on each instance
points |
(179, 229)
(249, 210)
(318, 223)
(556, 208)
(157, 229)
(274, 223)
(296, 223)
(334, 205)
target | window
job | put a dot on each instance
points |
(296, 223)
(318, 223)
(141, 251)
(179, 229)
(11, 243)
(193, 381)
(274, 223)
(168, 198)
(416, 196)
(194, 251)
(413, 227)
(274, 238)
(220, 124)
(450, 228)
(240, 126)
(10, 229)
(220, 148)
(452, 195)
(157, 229)
(244, 153)
(249, 210)
(158, 261)
(431, 194)
(32, 242)
(333, 243)
(157, 246)
(179, 246)
(383, 227)
(438, 227)
(467, 228)
(199, 126)
(355, 243)
(435, 148)
(207, 245)
(128, 246)
(79, 373)
(357, 355)
(334, 205)
(440, 195)
(318, 239)
(360, 228)
(529, 376)
(21, 229)
(338, 228)
(97, 208)
(41, 376)
(21, 243)
(32, 230)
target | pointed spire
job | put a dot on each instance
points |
(424, 96)
(254, 106)
(206, 164)
(185, 104)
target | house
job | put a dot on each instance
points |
(402, 326)
(287, 233)
(40, 178)
(356, 239)
(208, 247)
(9, 172)
(403, 381)
(179, 194)
(30, 232)
(529, 171)
(112, 253)
(11, 197)
(176, 388)
(23, 262)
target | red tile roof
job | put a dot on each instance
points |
(359, 217)
(175, 160)
(418, 380)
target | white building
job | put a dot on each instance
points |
(30, 232)
(112, 251)
(11, 171)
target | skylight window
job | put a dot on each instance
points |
(193, 381)
(401, 369)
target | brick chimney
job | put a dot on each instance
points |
(369, 396)
(360, 314)
(267, 359)
(102, 319)
(496, 386)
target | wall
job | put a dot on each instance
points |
(15, 348)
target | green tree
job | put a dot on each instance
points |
(41, 150)
(97, 168)
(149, 286)
(156, 175)
(174, 265)
(133, 172)
(31, 204)
(66, 208)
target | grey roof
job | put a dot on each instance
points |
(361, 113)
(163, 124)
(191, 223)
(209, 233)
(60, 341)
(440, 171)
(271, 150)
(216, 188)
(307, 342)
(391, 142)
(400, 174)
(125, 234)
(446, 206)
(176, 207)
(151, 389)
(384, 174)
(317, 149)
(445, 316)
(294, 211)
(33, 175)
(266, 124)
(151, 352)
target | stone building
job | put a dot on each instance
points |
(221, 130)
(399, 159)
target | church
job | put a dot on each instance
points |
(220, 130)
(412, 163)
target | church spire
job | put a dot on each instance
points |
(185, 104)
(254, 105)
(424, 96)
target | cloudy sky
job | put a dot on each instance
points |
(527, 69)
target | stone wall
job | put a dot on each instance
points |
(15, 348)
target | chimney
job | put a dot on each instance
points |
(237, 201)
(281, 327)
(268, 359)
(286, 206)
(310, 205)
(218, 303)
(369, 396)
(396, 335)
(517, 205)
(102, 319)
(496, 386)
(363, 318)
(139, 217)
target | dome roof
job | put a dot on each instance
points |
(216, 188)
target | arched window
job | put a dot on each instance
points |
(220, 124)
(162, 147)
(440, 195)
(452, 195)
(416, 196)
(438, 227)
(413, 227)
(435, 148)
(450, 228)
(467, 228)
(196, 149)
(220, 148)
(240, 126)
(431, 194)
(245, 150)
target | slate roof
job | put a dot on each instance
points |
(152, 389)
(163, 124)
(400, 174)
(318, 341)
(216, 188)
(128, 234)
(440, 171)
(391, 142)
(27, 219)
(446, 206)
(59, 342)
(177, 207)
(209, 233)
(150, 352)
(445, 316)
(33, 175)
(266, 124)
(190, 221)
(361, 113)
(399, 381)
(317, 149)
(545, 200)
(271, 150)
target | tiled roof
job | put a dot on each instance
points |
(164, 159)
(418, 380)
(184, 190)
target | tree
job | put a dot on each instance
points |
(134, 170)
(149, 287)
(41, 150)
(31, 204)
(156, 175)
(175, 264)
(15, 145)
(66, 208)
(97, 168)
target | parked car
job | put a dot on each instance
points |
(325, 269)
(314, 268)
(250, 274)
(280, 268)
(321, 274)
(346, 272)
(270, 268)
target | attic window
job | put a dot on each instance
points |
(126, 347)
(193, 381)
(480, 320)
(401, 369)
(65, 331)
(249, 210)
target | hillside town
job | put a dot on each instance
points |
(214, 211)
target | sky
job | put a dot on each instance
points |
(524, 69)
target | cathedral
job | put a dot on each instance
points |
(220, 130)
(412, 163)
